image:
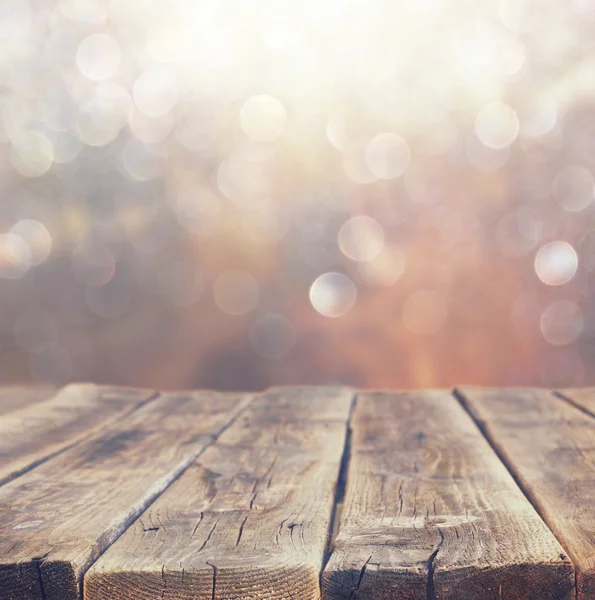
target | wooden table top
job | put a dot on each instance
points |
(296, 493)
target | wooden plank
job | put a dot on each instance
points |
(431, 512)
(584, 398)
(250, 519)
(35, 433)
(57, 519)
(550, 447)
(15, 397)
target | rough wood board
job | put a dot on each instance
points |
(431, 513)
(550, 446)
(18, 397)
(57, 519)
(35, 433)
(249, 519)
(582, 397)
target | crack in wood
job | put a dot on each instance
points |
(430, 587)
(37, 564)
(360, 577)
(214, 584)
(150, 501)
(200, 518)
(207, 539)
(253, 499)
(163, 581)
(280, 530)
(241, 531)
(393, 491)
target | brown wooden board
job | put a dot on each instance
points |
(249, 519)
(431, 513)
(39, 431)
(550, 447)
(57, 519)
(18, 397)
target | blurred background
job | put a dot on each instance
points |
(236, 194)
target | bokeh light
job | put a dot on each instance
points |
(556, 263)
(574, 188)
(361, 238)
(189, 189)
(333, 294)
(387, 156)
(31, 153)
(562, 322)
(155, 92)
(15, 256)
(37, 238)
(385, 268)
(263, 118)
(98, 56)
(497, 125)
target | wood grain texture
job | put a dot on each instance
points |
(15, 397)
(431, 513)
(57, 519)
(249, 519)
(550, 447)
(584, 398)
(39, 431)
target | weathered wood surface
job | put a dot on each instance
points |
(431, 512)
(18, 397)
(249, 519)
(550, 447)
(39, 431)
(584, 398)
(58, 518)
(199, 495)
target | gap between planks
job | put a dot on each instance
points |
(22, 459)
(265, 524)
(456, 392)
(404, 568)
(342, 485)
(333, 524)
(342, 476)
(72, 567)
(340, 489)
(214, 437)
(567, 397)
(571, 408)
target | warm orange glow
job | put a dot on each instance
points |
(241, 193)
